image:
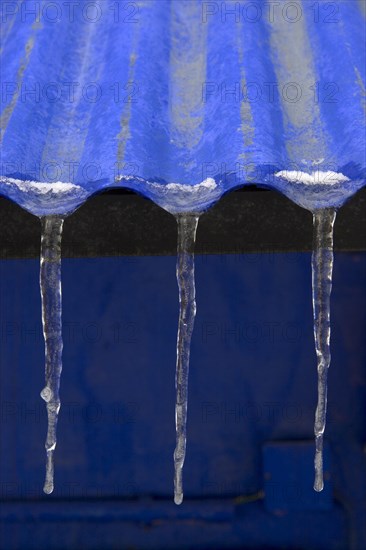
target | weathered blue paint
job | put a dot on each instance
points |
(253, 381)
(162, 91)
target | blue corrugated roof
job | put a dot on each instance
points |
(155, 92)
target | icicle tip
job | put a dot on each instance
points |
(48, 488)
(178, 499)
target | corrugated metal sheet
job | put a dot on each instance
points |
(152, 92)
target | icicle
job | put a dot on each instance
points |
(187, 227)
(322, 267)
(50, 284)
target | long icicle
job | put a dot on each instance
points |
(322, 269)
(187, 227)
(50, 285)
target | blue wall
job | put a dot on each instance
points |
(252, 381)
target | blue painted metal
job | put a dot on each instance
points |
(287, 471)
(151, 92)
(253, 382)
